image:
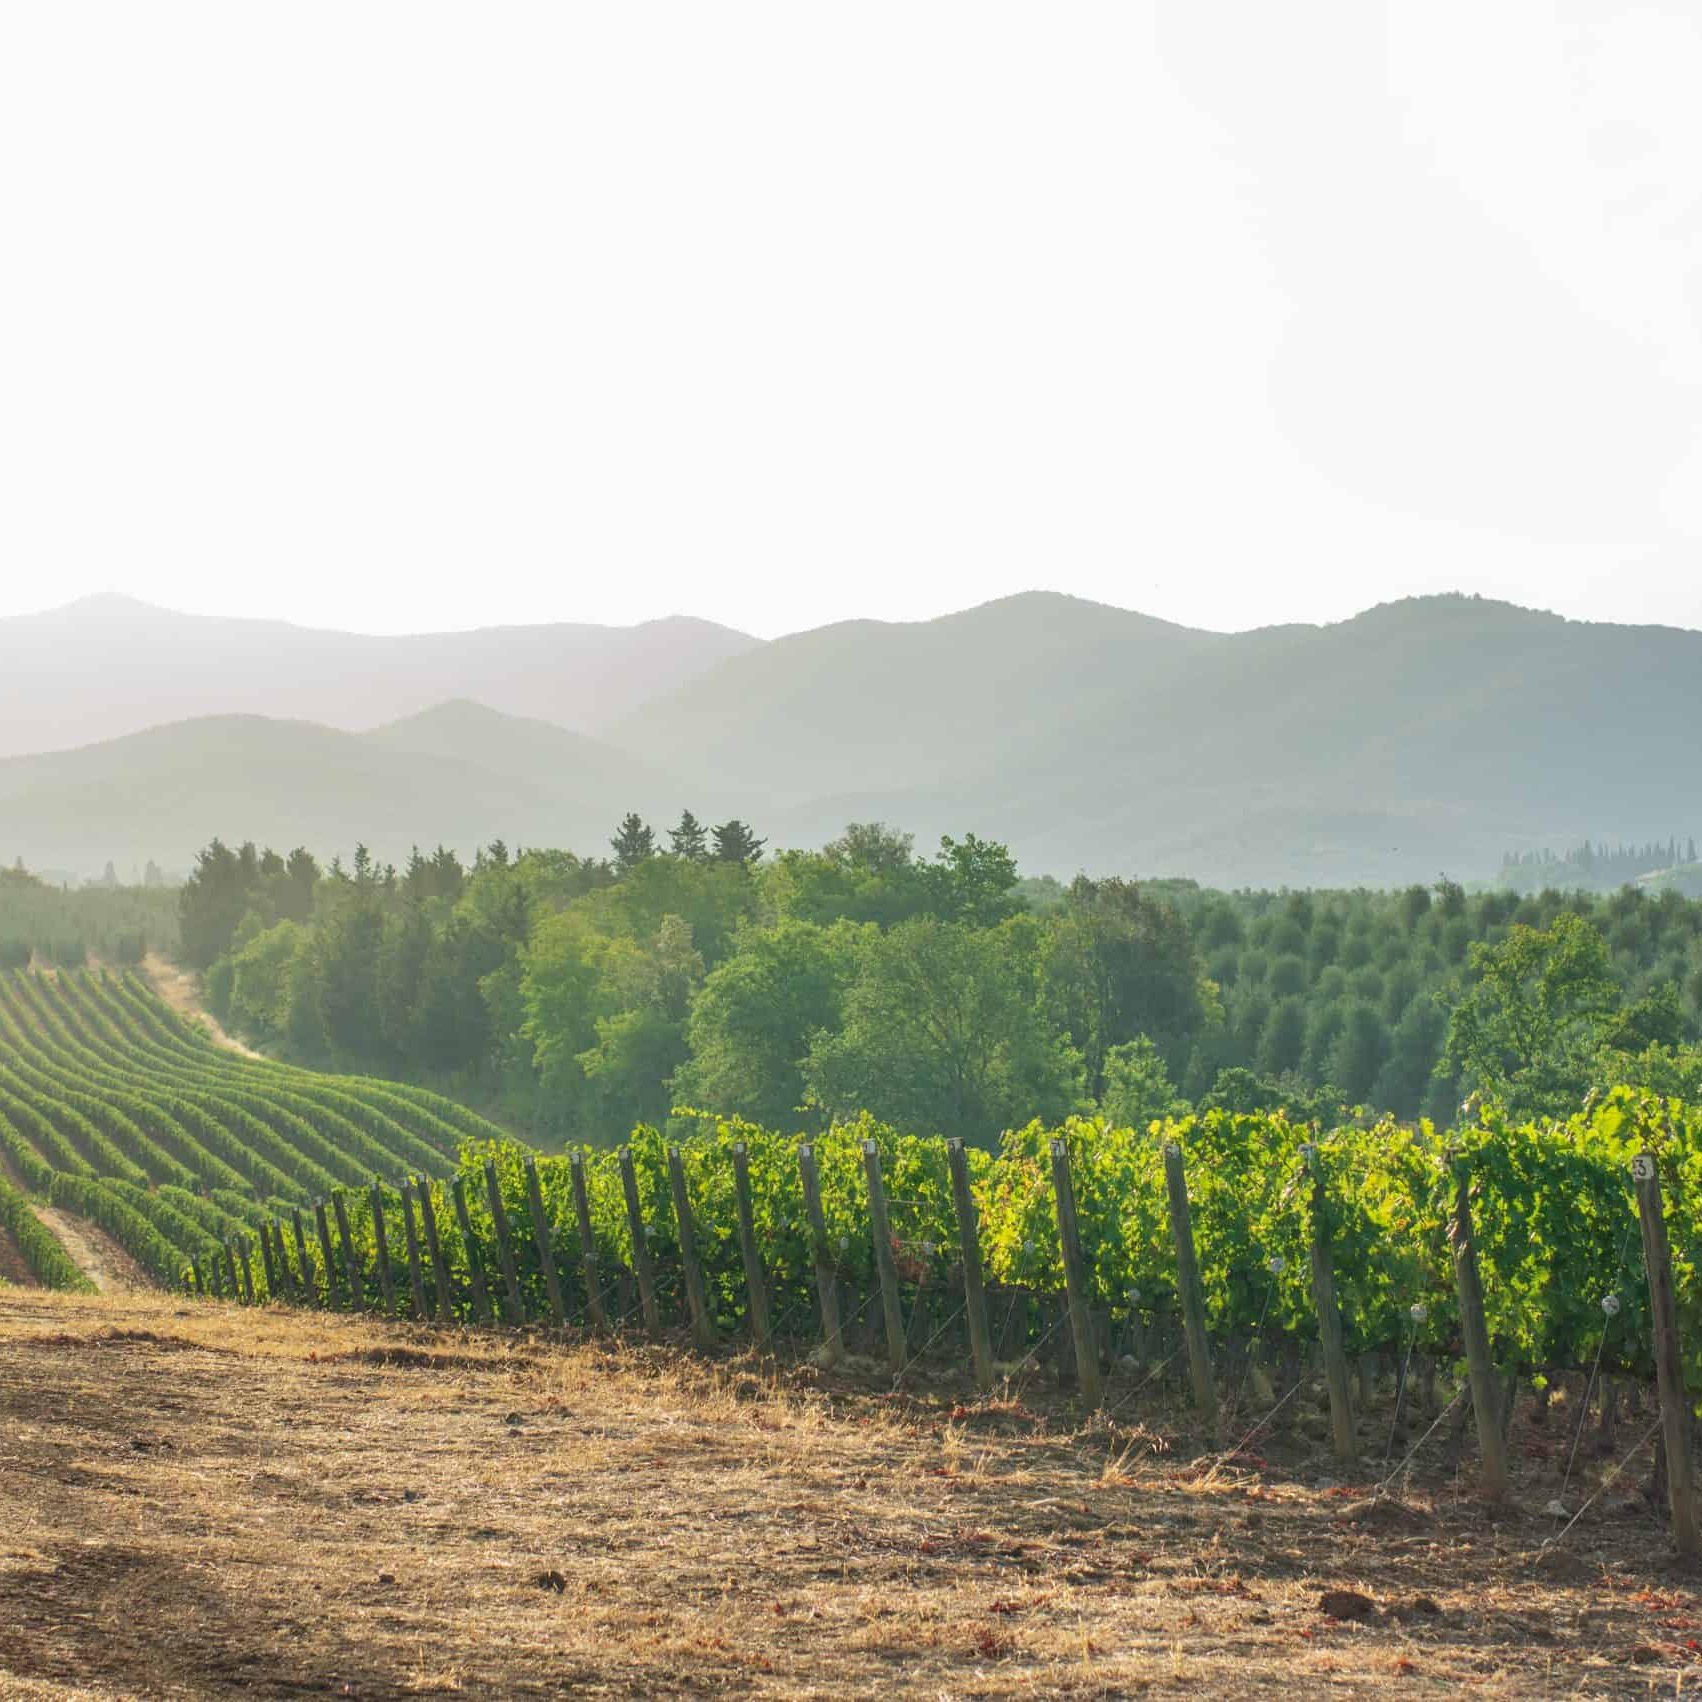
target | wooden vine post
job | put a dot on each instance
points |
(351, 1259)
(1075, 1276)
(381, 1250)
(290, 1286)
(309, 1289)
(326, 1252)
(442, 1284)
(1474, 1332)
(199, 1281)
(245, 1274)
(1669, 1366)
(597, 1311)
(541, 1240)
(756, 1278)
(691, 1271)
(1188, 1289)
(267, 1264)
(969, 1247)
(514, 1301)
(827, 1271)
(416, 1277)
(643, 1270)
(1329, 1317)
(886, 1267)
(470, 1246)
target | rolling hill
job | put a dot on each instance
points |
(106, 666)
(460, 775)
(1426, 735)
(1420, 737)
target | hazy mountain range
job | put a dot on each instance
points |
(1422, 736)
(106, 666)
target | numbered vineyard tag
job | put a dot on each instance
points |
(1309, 1153)
(739, 1148)
(868, 1149)
(806, 1151)
(1643, 1167)
(1057, 1148)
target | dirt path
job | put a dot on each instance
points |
(95, 1253)
(180, 990)
(207, 1502)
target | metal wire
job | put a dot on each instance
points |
(1412, 1452)
(1560, 1535)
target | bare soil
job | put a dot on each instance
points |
(12, 1266)
(206, 1502)
(94, 1252)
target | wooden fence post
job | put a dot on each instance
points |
(702, 1325)
(294, 1287)
(309, 1288)
(1188, 1289)
(515, 1302)
(827, 1273)
(416, 1277)
(482, 1309)
(351, 1259)
(1075, 1276)
(1329, 1317)
(245, 1273)
(381, 1250)
(1669, 1367)
(442, 1284)
(598, 1312)
(969, 1249)
(1474, 1331)
(267, 1264)
(886, 1267)
(200, 1281)
(642, 1268)
(231, 1289)
(276, 1261)
(756, 1278)
(541, 1239)
(326, 1252)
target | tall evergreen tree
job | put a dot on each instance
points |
(689, 838)
(634, 844)
(736, 843)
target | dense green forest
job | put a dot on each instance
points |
(579, 996)
(63, 924)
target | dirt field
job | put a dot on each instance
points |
(197, 1501)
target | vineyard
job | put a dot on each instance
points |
(1061, 1252)
(114, 1110)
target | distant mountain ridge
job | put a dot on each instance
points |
(106, 666)
(1421, 737)
(459, 774)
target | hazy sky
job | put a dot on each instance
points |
(406, 316)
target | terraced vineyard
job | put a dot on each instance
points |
(116, 1112)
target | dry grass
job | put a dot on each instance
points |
(199, 1501)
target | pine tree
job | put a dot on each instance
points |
(634, 844)
(735, 843)
(690, 839)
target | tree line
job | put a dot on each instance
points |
(942, 993)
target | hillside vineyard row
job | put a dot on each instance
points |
(372, 1194)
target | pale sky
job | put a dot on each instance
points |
(409, 316)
